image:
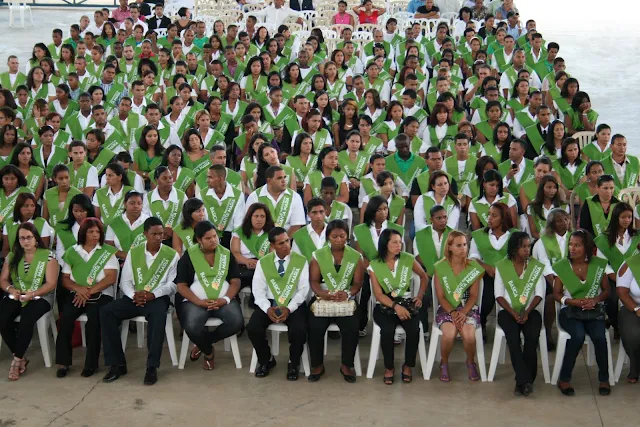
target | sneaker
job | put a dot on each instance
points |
(398, 338)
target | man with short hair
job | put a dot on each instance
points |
(218, 156)
(84, 176)
(510, 74)
(158, 20)
(536, 133)
(223, 202)
(13, 78)
(434, 163)
(137, 18)
(624, 168)
(121, 13)
(147, 284)
(516, 169)
(79, 121)
(153, 116)
(276, 13)
(312, 236)
(403, 163)
(280, 288)
(527, 116)
(96, 26)
(284, 204)
(125, 124)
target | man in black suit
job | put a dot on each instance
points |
(300, 5)
(158, 20)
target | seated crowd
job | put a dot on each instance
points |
(333, 186)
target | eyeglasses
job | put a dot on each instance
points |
(25, 238)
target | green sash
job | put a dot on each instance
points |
(220, 214)
(198, 166)
(455, 286)
(407, 176)
(211, 278)
(12, 229)
(427, 247)
(5, 80)
(428, 202)
(593, 153)
(570, 180)
(528, 174)
(397, 284)
(300, 169)
(534, 137)
(634, 264)
(31, 281)
(315, 180)
(321, 139)
(79, 177)
(67, 238)
(365, 240)
(599, 220)
(520, 290)
(128, 238)
(631, 173)
(337, 211)
(257, 245)
(171, 213)
(107, 211)
(85, 272)
(305, 243)
(8, 203)
(281, 118)
(490, 255)
(356, 168)
(337, 280)
(466, 176)
(280, 212)
(446, 141)
(482, 209)
(103, 159)
(613, 254)
(540, 222)
(571, 282)
(283, 287)
(145, 165)
(148, 278)
(551, 246)
(60, 156)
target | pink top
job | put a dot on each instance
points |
(343, 18)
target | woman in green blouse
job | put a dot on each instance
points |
(148, 155)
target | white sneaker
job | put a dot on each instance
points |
(398, 338)
(363, 332)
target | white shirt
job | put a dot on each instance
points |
(112, 264)
(92, 178)
(244, 250)
(262, 293)
(238, 211)
(317, 239)
(400, 189)
(622, 247)
(500, 291)
(47, 230)
(540, 253)
(620, 169)
(166, 285)
(518, 175)
(296, 212)
(138, 185)
(628, 281)
(138, 109)
(374, 233)
(518, 129)
(113, 197)
(441, 132)
(275, 16)
(60, 249)
(155, 197)
(496, 242)
(437, 241)
(110, 235)
(420, 214)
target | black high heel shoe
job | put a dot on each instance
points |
(348, 377)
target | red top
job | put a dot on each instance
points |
(368, 19)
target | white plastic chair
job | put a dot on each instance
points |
(584, 138)
(161, 32)
(621, 360)
(357, 366)
(19, 7)
(276, 329)
(499, 347)
(563, 336)
(42, 324)
(375, 336)
(361, 35)
(436, 334)
(229, 343)
(140, 321)
(449, 16)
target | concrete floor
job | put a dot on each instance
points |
(227, 395)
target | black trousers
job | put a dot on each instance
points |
(297, 324)
(225, 239)
(112, 315)
(488, 299)
(68, 315)
(611, 305)
(523, 358)
(630, 336)
(18, 337)
(365, 295)
(348, 331)
(388, 323)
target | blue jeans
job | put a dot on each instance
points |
(577, 329)
(193, 319)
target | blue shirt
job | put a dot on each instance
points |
(414, 5)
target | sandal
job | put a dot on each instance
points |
(406, 378)
(23, 365)
(14, 370)
(473, 371)
(444, 373)
(389, 380)
(195, 353)
(632, 380)
(209, 363)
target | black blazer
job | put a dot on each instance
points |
(300, 5)
(153, 22)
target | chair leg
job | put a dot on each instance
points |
(357, 365)
(54, 328)
(495, 353)
(434, 343)
(373, 354)
(124, 334)
(622, 357)
(305, 360)
(544, 355)
(275, 343)
(480, 355)
(233, 341)
(184, 350)
(171, 340)
(612, 379)
(43, 335)
(560, 349)
(84, 335)
(140, 334)
(422, 352)
(254, 362)
(326, 335)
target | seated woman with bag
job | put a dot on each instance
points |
(336, 273)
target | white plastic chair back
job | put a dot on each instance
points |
(584, 137)
(630, 195)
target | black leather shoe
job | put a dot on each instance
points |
(62, 372)
(348, 377)
(292, 372)
(151, 377)
(527, 389)
(604, 391)
(87, 372)
(263, 370)
(314, 377)
(569, 391)
(114, 373)
(517, 391)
